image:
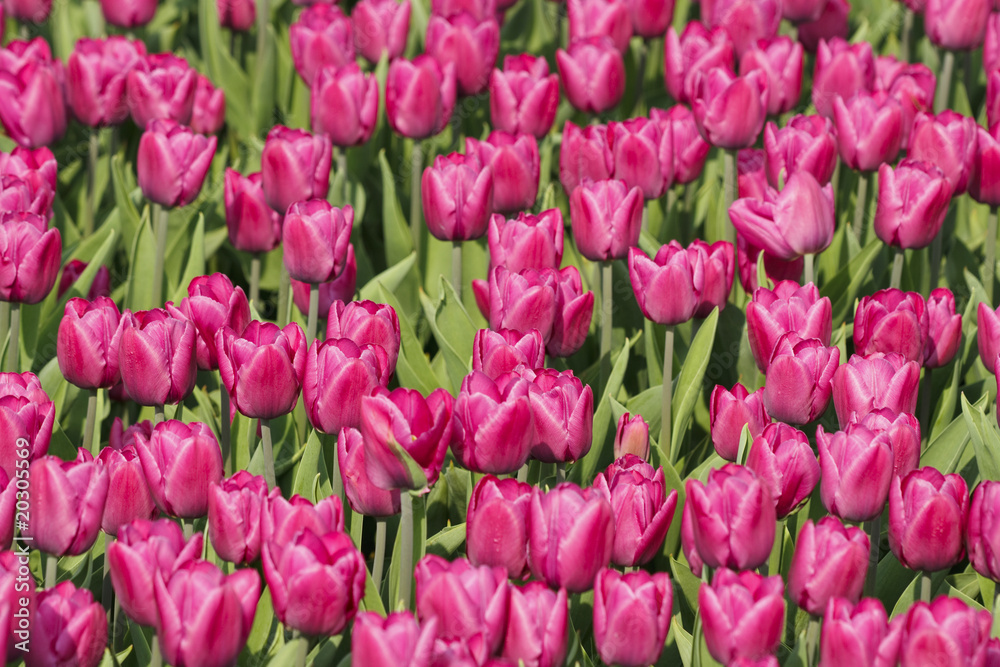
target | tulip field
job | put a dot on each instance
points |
(487, 333)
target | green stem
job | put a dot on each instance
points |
(158, 414)
(874, 529)
(162, 216)
(730, 186)
(405, 550)
(188, 527)
(990, 261)
(897, 269)
(560, 472)
(302, 651)
(336, 481)
(341, 158)
(265, 439)
(416, 205)
(812, 641)
(284, 287)
(92, 157)
(607, 308)
(935, 272)
(668, 215)
(809, 274)
(774, 562)
(926, 387)
(943, 93)
(666, 412)
(378, 565)
(14, 351)
(51, 570)
(995, 632)
(860, 208)
(313, 314)
(255, 281)
(522, 474)
(227, 449)
(925, 586)
(4, 320)
(88, 426)
(456, 268)
(907, 37)
(156, 656)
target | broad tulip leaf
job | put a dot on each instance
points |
(223, 70)
(419, 549)
(843, 288)
(262, 93)
(196, 260)
(311, 465)
(982, 430)
(453, 329)
(389, 280)
(125, 206)
(143, 256)
(447, 542)
(412, 367)
(689, 382)
(585, 469)
(398, 241)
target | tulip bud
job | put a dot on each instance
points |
(526, 242)
(783, 459)
(631, 616)
(68, 627)
(341, 288)
(262, 368)
(173, 162)
(497, 525)
(33, 111)
(212, 303)
(514, 162)
(729, 412)
(982, 538)
(865, 384)
(237, 15)
(295, 166)
(695, 52)
(802, 11)
(523, 96)
(671, 267)
(599, 18)
(842, 70)
(209, 111)
(128, 13)
(87, 343)
(632, 437)
(912, 86)
(419, 96)
(467, 603)
(35, 170)
(607, 217)
(366, 323)
(161, 86)
(25, 410)
(988, 334)
(913, 200)
(947, 141)
(537, 625)
(730, 110)
(944, 632)
(34, 11)
(67, 502)
(927, 516)
(180, 462)
(799, 379)
(869, 130)
(858, 634)
(315, 237)
(746, 21)
(944, 329)
(95, 79)
(904, 437)
(281, 519)
(716, 262)
(71, 272)
(392, 641)
(830, 561)
(234, 516)
(253, 225)
(651, 18)
(321, 36)
(337, 374)
(856, 466)
(381, 27)
(751, 181)
(585, 153)
(499, 352)
(571, 536)
(31, 260)
(502, 443)
(128, 493)
(574, 309)
(636, 146)
(957, 25)
(786, 308)
(468, 43)
(891, 321)
(681, 146)
(457, 194)
(743, 615)
(157, 357)
(592, 73)
(563, 415)
(344, 104)
(781, 61)
(362, 495)
(805, 143)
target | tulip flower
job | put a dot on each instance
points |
(695, 52)
(514, 161)
(750, 176)
(585, 153)
(209, 111)
(730, 110)
(234, 516)
(672, 266)
(341, 288)
(381, 27)
(865, 384)
(68, 628)
(858, 634)
(366, 323)
(253, 225)
(732, 518)
(944, 329)
(180, 462)
(71, 272)
(571, 536)
(784, 460)
(315, 236)
(344, 104)
(161, 86)
(982, 539)
(281, 519)
(716, 261)
(743, 615)
(8, 499)
(805, 143)
(401, 430)
(632, 437)
(913, 200)
(502, 443)
(957, 26)
(607, 217)
(904, 437)
(781, 60)
(730, 412)
(786, 308)
(121, 437)
(67, 502)
(522, 301)
(799, 379)
(87, 343)
(802, 11)
(173, 162)
(830, 561)
(143, 549)
(632, 615)
(776, 270)
(212, 303)
(913, 87)
(95, 79)
(523, 96)
(362, 495)
(856, 466)
(419, 96)
(574, 309)
(33, 112)
(205, 615)
(457, 194)
(336, 375)
(948, 141)
(157, 357)
(237, 15)
(25, 410)
(295, 166)
(321, 36)
(599, 18)
(128, 496)
(746, 21)
(988, 334)
(537, 625)
(891, 321)
(869, 130)
(944, 632)
(128, 13)
(592, 73)
(36, 171)
(651, 18)
(499, 352)
(394, 640)
(636, 146)
(927, 516)
(526, 242)
(34, 11)
(562, 411)
(468, 43)
(497, 525)
(681, 146)
(262, 368)
(842, 70)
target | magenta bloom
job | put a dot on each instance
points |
(856, 466)
(253, 225)
(157, 357)
(805, 143)
(381, 27)
(515, 163)
(493, 429)
(913, 200)
(338, 373)
(746, 21)
(944, 329)
(212, 303)
(180, 461)
(537, 625)
(345, 104)
(786, 308)
(234, 516)
(95, 79)
(128, 492)
(585, 153)
(497, 525)
(27, 412)
(599, 18)
(262, 368)
(855, 634)
(743, 615)
(944, 632)
(315, 238)
(66, 503)
(891, 321)
(499, 352)
(730, 110)
(69, 628)
(87, 343)
(903, 430)
(865, 384)
(128, 13)
(394, 640)
(948, 141)
(365, 323)
(729, 412)
(457, 195)
(784, 460)
(469, 44)
(927, 516)
(523, 96)
(173, 162)
(842, 70)
(606, 217)
(321, 36)
(526, 242)
(799, 379)
(209, 112)
(869, 130)
(420, 96)
(562, 410)
(682, 150)
(295, 166)
(592, 73)
(636, 145)
(958, 25)
(631, 616)
(781, 61)
(161, 86)
(362, 495)
(830, 561)
(632, 437)
(982, 530)
(694, 53)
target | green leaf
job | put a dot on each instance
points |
(395, 231)
(310, 466)
(584, 470)
(223, 70)
(453, 329)
(412, 368)
(419, 547)
(263, 626)
(196, 260)
(143, 257)
(291, 654)
(447, 542)
(262, 93)
(142, 652)
(843, 288)
(689, 381)
(125, 207)
(390, 279)
(984, 436)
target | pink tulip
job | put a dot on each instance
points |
(128, 13)
(362, 495)
(524, 96)
(636, 145)
(716, 261)
(262, 368)
(209, 112)
(87, 343)
(856, 466)
(212, 303)
(672, 266)
(34, 11)
(804, 143)
(781, 60)
(869, 130)
(988, 334)
(419, 96)
(315, 237)
(927, 516)
(526, 242)
(574, 309)
(982, 539)
(944, 632)
(502, 443)
(802, 11)
(25, 410)
(35, 172)
(948, 141)
(457, 195)
(238, 15)
(600, 18)
(607, 217)
(913, 200)
(694, 53)
(632, 615)
(585, 153)
(746, 21)
(282, 520)
(234, 515)
(499, 352)
(830, 561)
(842, 70)
(321, 36)
(8, 500)
(865, 384)
(632, 437)
(563, 413)
(68, 628)
(984, 186)
(743, 615)
(800, 378)
(173, 162)
(341, 288)
(903, 430)
(786, 308)
(514, 161)
(681, 146)
(95, 79)
(366, 323)
(911, 85)
(66, 504)
(469, 44)
(958, 25)
(730, 110)
(337, 374)
(71, 272)
(855, 634)
(784, 460)
(497, 525)
(345, 104)
(128, 493)
(730, 412)
(651, 18)
(381, 27)
(157, 356)
(161, 86)
(891, 321)
(180, 461)
(295, 166)
(593, 74)
(776, 270)
(253, 225)
(537, 625)
(392, 641)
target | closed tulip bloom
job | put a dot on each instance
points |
(128, 13)
(585, 153)
(36, 171)
(957, 26)
(574, 309)
(842, 70)
(571, 536)
(944, 329)
(944, 632)
(982, 530)
(402, 428)
(784, 460)
(681, 146)
(856, 466)
(157, 357)
(212, 303)
(315, 236)
(592, 73)
(800, 378)
(858, 634)
(321, 36)
(948, 141)
(600, 18)
(869, 130)
(563, 414)
(161, 86)
(479, 9)
(381, 27)
(316, 581)
(781, 60)
(33, 112)
(341, 288)
(8, 491)
(775, 269)
(729, 412)
(457, 194)
(234, 509)
(523, 300)
(732, 518)
(743, 615)
(121, 437)
(746, 21)
(927, 516)
(467, 603)
(68, 628)
(295, 166)
(802, 11)
(345, 104)
(499, 352)
(337, 374)
(903, 430)
(253, 225)
(891, 321)
(913, 200)
(362, 495)
(830, 561)
(173, 162)
(636, 146)
(393, 641)
(607, 217)
(469, 44)
(804, 143)
(631, 616)
(524, 96)
(497, 525)
(71, 272)
(694, 52)
(787, 308)
(262, 368)
(67, 503)
(913, 87)
(730, 110)
(632, 437)
(365, 323)
(87, 343)
(35, 11)
(537, 625)
(180, 461)
(128, 493)
(205, 615)
(526, 242)
(650, 277)
(282, 519)
(419, 96)
(797, 221)
(650, 18)
(25, 410)
(238, 15)
(514, 161)
(991, 44)
(492, 431)
(716, 262)
(751, 180)
(95, 79)
(988, 334)
(865, 384)
(209, 111)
